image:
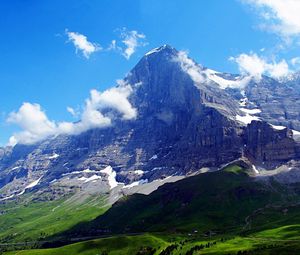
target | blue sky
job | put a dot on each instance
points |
(39, 62)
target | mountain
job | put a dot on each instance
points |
(189, 119)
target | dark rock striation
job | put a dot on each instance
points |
(269, 147)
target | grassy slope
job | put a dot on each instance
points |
(24, 221)
(213, 201)
(284, 240)
(115, 246)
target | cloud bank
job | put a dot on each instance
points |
(253, 65)
(36, 126)
(279, 16)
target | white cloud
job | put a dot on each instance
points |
(82, 44)
(113, 45)
(279, 69)
(127, 45)
(72, 111)
(36, 126)
(116, 98)
(295, 61)
(280, 16)
(132, 40)
(202, 75)
(190, 67)
(34, 122)
(252, 64)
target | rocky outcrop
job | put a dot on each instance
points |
(279, 102)
(269, 147)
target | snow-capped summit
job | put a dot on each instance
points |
(159, 49)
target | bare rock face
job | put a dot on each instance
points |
(278, 101)
(269, 147)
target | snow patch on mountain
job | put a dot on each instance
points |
(92, 178)
(111, 176)
(72, 173)
(155, 50)
(203, 75)
(238, 82)
(249, 115)
(243, 102)
(31, 185)
(89, 171)
(54, 156)
(140, 182)
(250, 111)
(255, 169)
(246, 119)
(277, 127)
(296, 133)
(15, 168)
(139, 172)
(6, 198)
(153, 157)
(81, 172)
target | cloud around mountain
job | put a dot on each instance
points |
(256, 66)
(36, 126)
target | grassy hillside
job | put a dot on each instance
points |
(218, 201)
(112, 246)
(284, 240)
(35, 220)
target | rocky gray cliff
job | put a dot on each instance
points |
(279, 101)
(269, 147)
(188, 118)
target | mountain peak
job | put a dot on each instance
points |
(162, 49)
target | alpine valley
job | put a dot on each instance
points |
(208, 164)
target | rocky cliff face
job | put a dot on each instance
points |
(188, 118)
(269, 147)
(279, 101)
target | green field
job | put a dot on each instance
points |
(115, 245)
(31, 221)
(284, 240)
